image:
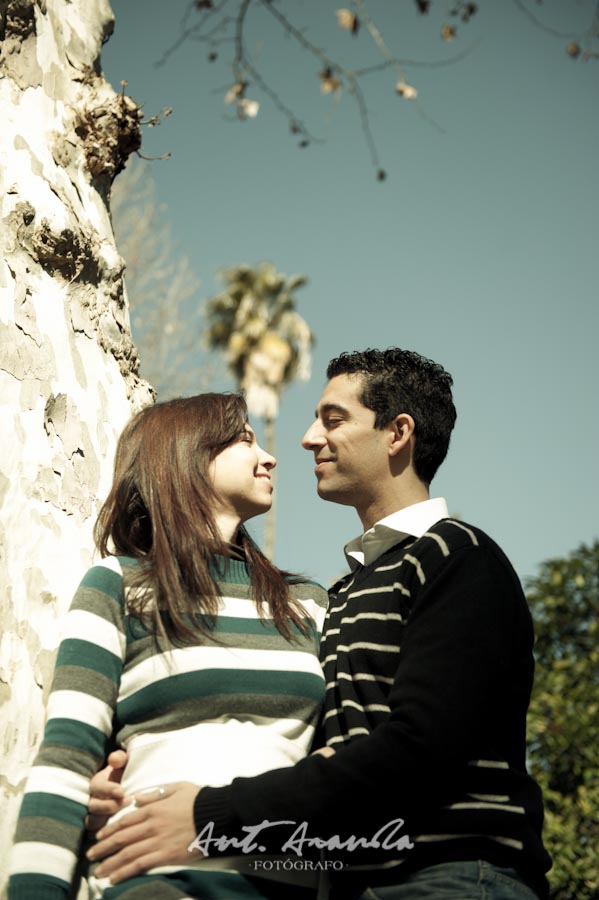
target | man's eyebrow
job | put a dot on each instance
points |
(328, 408)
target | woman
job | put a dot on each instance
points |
(185, 646)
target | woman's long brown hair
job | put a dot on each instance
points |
(160, 511)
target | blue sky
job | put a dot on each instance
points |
(479, 250)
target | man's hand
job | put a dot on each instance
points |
(106, 793)
(157, 832)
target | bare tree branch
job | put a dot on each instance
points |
(560, 34)
(242, 67)
(194, 32)
(225, 23)
(166, 317)
(417, 63)
(332, 66)
(577, 46)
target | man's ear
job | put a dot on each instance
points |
(401, 430)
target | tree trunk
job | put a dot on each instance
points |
(270, 520)
(68, 368)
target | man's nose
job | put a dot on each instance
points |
(313, 437)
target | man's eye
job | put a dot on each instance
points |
(330, 423)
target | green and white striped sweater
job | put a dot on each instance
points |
(205, 713)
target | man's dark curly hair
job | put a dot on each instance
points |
(398, 381)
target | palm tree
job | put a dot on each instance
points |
(267, 344)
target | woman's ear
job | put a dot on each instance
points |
(402, 430)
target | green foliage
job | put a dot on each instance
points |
(563, 719)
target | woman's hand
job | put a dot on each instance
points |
(106, 793)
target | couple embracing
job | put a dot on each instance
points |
(218, 673)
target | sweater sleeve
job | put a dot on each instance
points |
(79, 722)
(466, 655)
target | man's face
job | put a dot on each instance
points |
(352, 458)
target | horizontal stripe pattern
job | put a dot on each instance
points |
(150, 672)
(91, 711)
(113, 678)
(26, 855)
(72, 785)
(82, 624)
(369, 611)
(188, 884)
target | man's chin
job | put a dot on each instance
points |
(328, 492)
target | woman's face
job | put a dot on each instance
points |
(241, 478)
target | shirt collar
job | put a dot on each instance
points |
(412, 521)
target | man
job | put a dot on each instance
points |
(427, 654)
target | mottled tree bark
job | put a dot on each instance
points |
(68, 367)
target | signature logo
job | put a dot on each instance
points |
(388, 837)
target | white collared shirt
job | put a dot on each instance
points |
(413, 520)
